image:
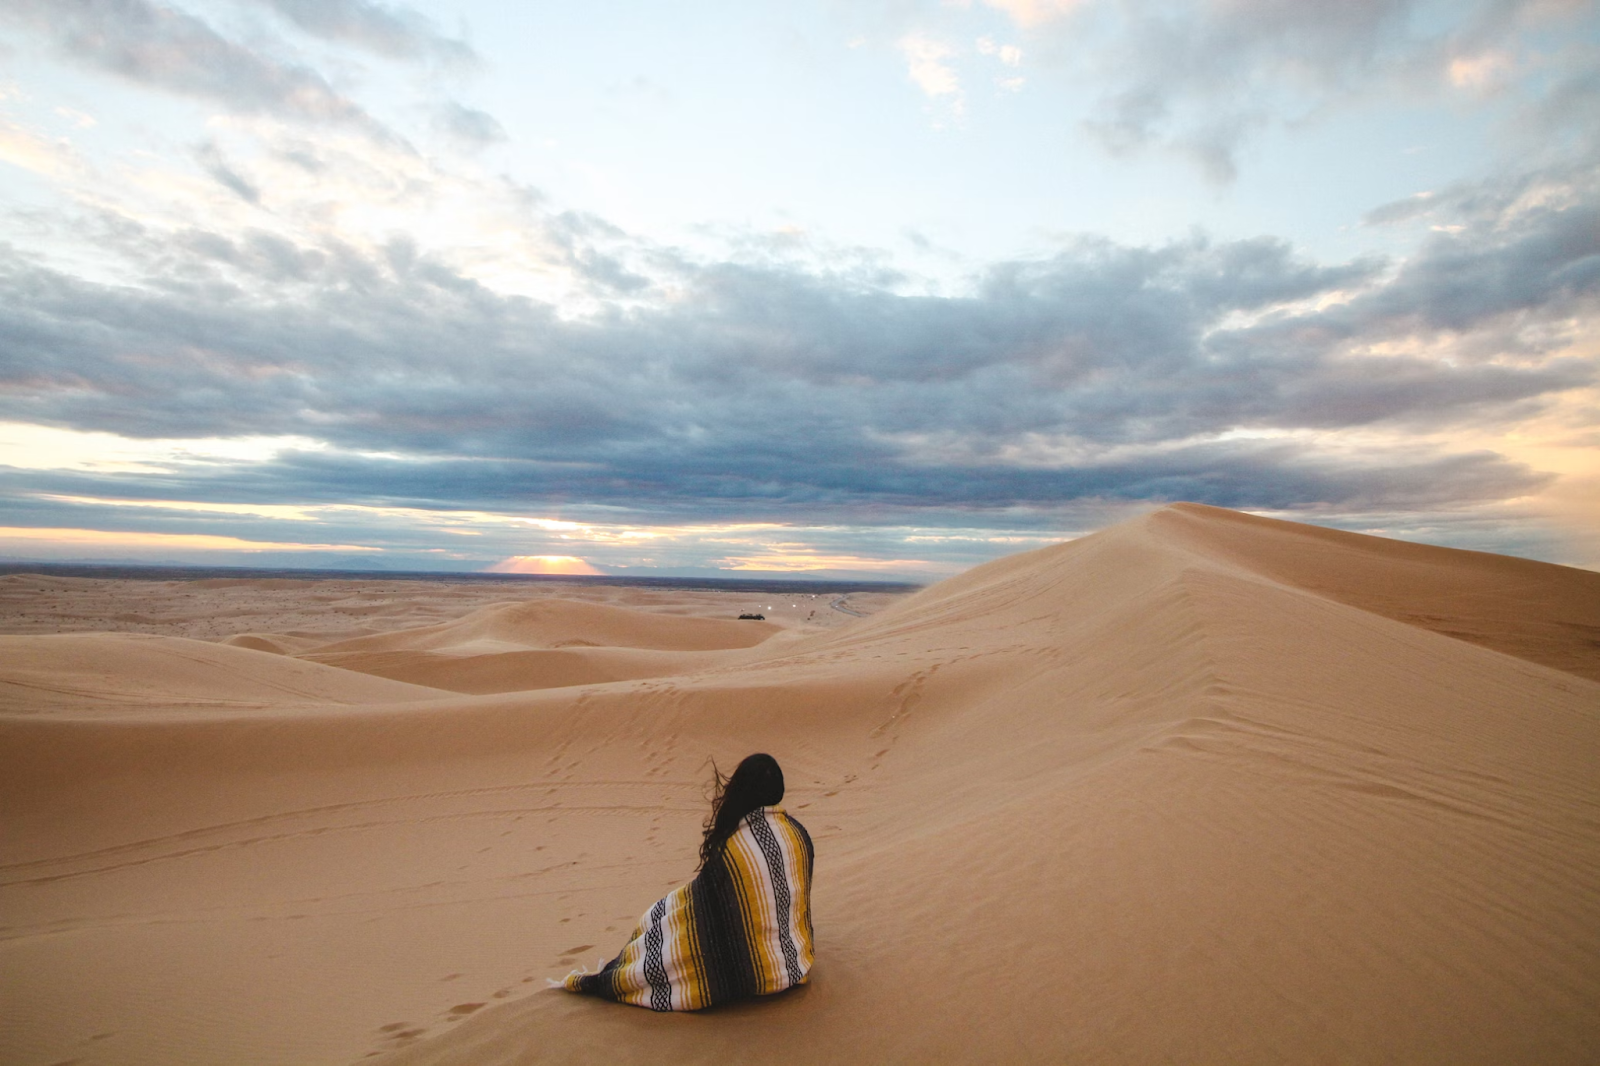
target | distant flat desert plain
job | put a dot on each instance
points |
(1199, 788)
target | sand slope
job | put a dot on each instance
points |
(1547, 614)
(1198, 788)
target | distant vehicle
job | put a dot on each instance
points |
(753, 617)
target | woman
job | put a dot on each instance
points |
(742, 927)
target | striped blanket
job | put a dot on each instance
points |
(741, 928)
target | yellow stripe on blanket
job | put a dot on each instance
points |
(741, 928)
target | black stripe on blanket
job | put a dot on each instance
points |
(655, 971)
(720, 934)
(780, 884)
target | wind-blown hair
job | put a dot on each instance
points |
(756, 782)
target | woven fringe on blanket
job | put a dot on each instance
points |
(741, 928)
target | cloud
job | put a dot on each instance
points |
(1481, 73)
(928, 66)
(1033, 12)
(1203, 79)
(396, 31)
(22, 147)
(1519, 245)
(58, 539)
(1008, 54)
(468, 127)
(169, 49)
(694, 490)
(1219, 371)
(1399, 210)
(212, 162)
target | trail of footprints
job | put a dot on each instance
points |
(399, 1034)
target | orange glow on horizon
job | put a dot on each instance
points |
(800, 562)
(201, 541)
(544, 564)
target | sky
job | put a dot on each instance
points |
(880, 288)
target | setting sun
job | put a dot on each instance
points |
(543, 564)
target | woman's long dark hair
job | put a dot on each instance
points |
(756, 782)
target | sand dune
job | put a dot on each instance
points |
(98, 673)
(258, 642)
(562, 623)
(546, 643)
(1198, 788)
(519, 671)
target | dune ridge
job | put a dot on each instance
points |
(1199, 787)
(1546, 614)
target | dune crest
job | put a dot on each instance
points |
(1199, 787)
(1537, 611)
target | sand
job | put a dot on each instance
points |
(1202, 787)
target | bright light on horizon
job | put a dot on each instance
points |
(544, 564)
